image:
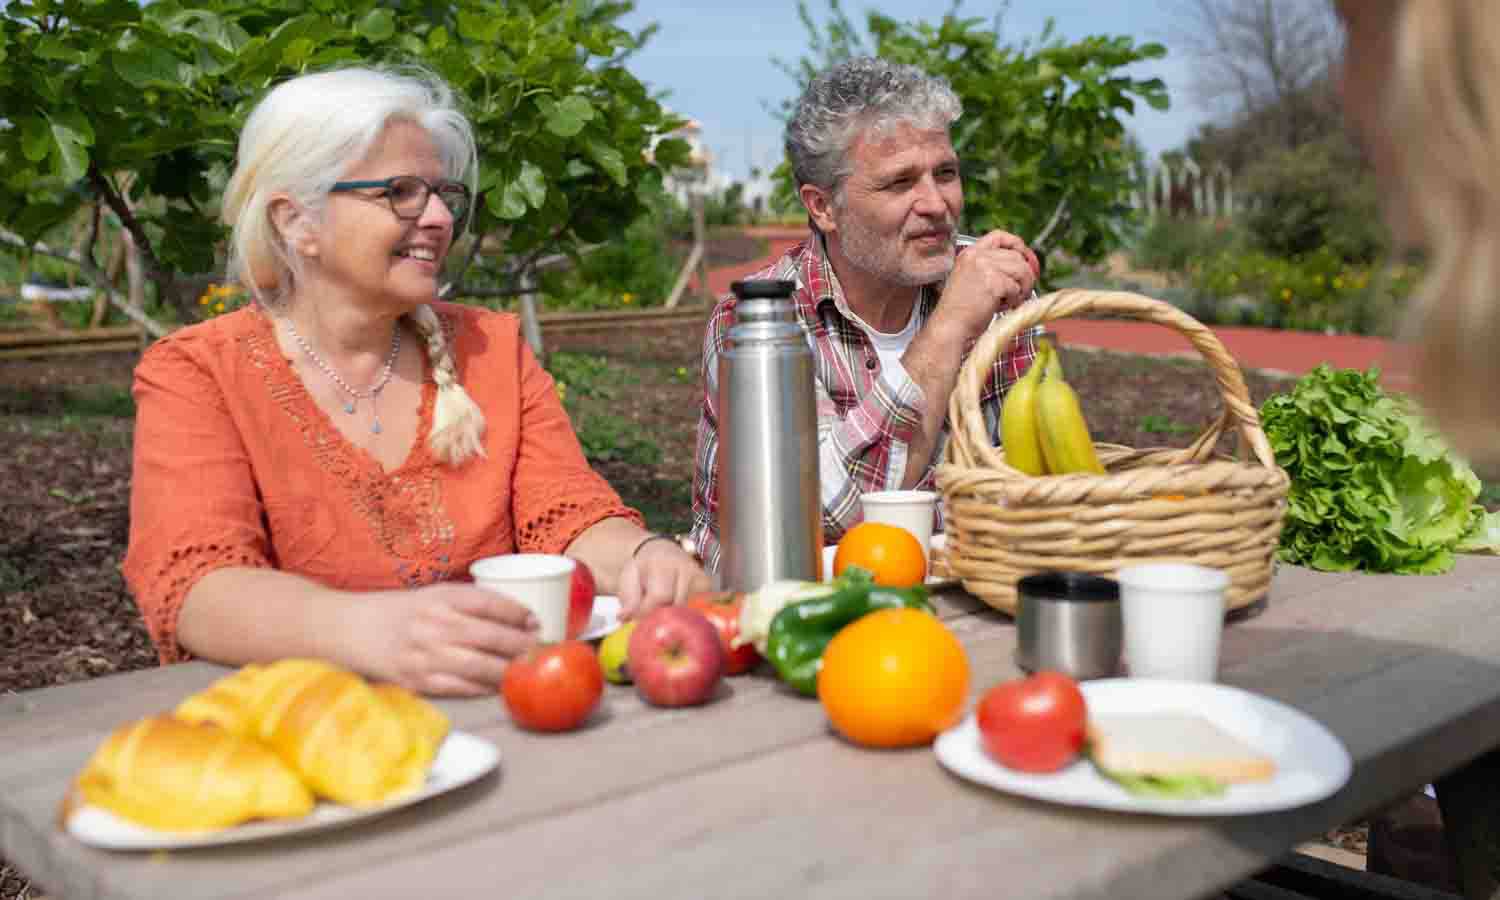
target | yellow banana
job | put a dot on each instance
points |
(1020, 435)
(1066, 444)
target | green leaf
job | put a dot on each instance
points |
(480, 26)
(507, 201)
(36, 139)
(72, 136)
(378, 25)
(533, 184)
(609, 159)
(144, 66)
(567, 118)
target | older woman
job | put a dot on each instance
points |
(315, 472)
(1421, 85)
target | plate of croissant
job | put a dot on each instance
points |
(269, 750)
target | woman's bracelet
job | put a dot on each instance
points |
(648, 539)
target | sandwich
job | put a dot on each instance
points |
(1173, 754)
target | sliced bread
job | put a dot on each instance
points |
(1173, 744)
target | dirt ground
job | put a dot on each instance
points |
(65, 615)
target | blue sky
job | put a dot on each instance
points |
(714, 58)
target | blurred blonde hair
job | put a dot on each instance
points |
(300, 139)
(1444, 108)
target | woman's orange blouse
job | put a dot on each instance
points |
(236, 465)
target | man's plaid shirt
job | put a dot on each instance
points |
(865, 422)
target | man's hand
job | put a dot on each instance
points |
(994, 274)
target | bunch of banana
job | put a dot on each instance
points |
(1042, 428)
(1019, 435)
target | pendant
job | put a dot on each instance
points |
(349, 407)
(375, 427)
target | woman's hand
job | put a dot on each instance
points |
(450, 638)
(660, 574)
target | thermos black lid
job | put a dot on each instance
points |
(754, 290)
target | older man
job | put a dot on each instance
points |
(891, 308)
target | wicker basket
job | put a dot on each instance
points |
(1160, 504)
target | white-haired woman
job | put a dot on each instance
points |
(1421, 85)
(315, 472)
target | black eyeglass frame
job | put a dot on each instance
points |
(389, 183)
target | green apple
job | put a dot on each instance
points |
(613, 651)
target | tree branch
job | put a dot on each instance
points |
(1060, 216)
(96, 277)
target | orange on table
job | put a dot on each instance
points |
(890, 552)
(893, 678)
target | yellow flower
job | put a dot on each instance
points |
(1338, 283)
(219, 307)
(1286, 294)
(627, 298)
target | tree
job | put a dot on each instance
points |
(1043, 151)
(1267, 64)
(93, 92)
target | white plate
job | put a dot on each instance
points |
(1310, 762)
(938, 542)
(604, 619)
(462, 758)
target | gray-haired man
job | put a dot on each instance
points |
(890, 307)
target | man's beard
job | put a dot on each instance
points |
(870, 252)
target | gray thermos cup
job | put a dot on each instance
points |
(770, 511)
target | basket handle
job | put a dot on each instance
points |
(969, 443)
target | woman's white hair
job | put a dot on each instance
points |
(300, 139)
(1444, 119)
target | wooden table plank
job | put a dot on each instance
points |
(752, 795)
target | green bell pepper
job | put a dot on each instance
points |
(800, 631)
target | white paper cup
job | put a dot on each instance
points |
(1173, 618)
(538, 581)
(912, 510)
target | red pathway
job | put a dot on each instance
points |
(1265, 349)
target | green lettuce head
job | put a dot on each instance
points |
(1373, 485)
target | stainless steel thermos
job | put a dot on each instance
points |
(770, 510)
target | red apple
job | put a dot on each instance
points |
(581, 600)
(675, 657)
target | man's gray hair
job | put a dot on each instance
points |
(861, 93)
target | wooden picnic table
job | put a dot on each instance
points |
(753, 796)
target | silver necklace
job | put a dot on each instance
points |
(371, 393)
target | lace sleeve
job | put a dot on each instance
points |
(557, 494)
(194, 505)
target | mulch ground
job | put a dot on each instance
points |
(65, 615)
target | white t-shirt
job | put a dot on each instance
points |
(890, 347)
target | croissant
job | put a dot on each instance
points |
(172, 775)
(349, 742)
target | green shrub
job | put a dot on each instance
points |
(1170, 245)
(636, 269)
(1317, 197)
(1318, 291)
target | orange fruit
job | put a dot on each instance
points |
(892, 553)
(893, 678)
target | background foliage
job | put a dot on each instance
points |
(137, 107)
(1041, 121)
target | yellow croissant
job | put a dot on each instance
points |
(177, 776)
(350, 742)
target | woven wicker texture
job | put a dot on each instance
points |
(1160, 504)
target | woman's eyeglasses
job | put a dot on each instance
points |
(408, 195)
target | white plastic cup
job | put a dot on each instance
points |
(912, 510)
(1173, 619)
(540, 582)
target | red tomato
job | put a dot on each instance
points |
(1033, 724)
(553, 687)
(723, 610)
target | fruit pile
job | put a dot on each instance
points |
(867, 644)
